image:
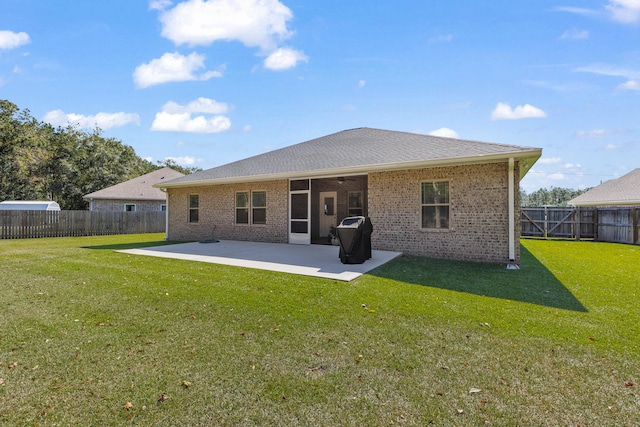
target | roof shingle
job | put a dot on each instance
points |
(140, 188)
(621, 191)
(356, 150)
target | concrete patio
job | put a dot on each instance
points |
(308, 260)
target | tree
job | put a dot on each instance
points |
(555, 196)
(170, 163)
(38, 161)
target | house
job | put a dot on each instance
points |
(137, 194)
(425, 195)
(623, 191)
(29, 205)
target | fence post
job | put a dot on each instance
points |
(546, 223)
(634, 225)
(576, 216)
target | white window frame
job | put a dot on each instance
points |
(435, 205)
(254, 207)
(133, 205)
(191, 208)
(249, 208)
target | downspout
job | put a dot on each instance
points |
(512, 265)
(166, 215)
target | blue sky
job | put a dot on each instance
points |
(209, 82)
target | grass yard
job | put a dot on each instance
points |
(89, 336)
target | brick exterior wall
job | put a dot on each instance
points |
(478, 213)
(479, 220)
(118, 205)
(217, 213)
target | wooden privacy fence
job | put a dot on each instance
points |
(620, 225)
(31, 224)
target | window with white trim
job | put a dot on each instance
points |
(251, 207)
(258, 207)
(242, 207)
(129, 207)
(194, 208)
(435, 204)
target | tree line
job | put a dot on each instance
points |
(41, 162)
(555, 196)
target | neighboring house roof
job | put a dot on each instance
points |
(358, 151)
(29, 205)
(621, 191)
(140, 188)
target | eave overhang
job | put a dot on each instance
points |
(525, 159)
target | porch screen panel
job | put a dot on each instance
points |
(300, 213)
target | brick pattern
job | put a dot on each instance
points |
(217, 213)
(118, 205)
(478, 213)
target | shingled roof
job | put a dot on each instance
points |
(358, 151)
(140, 188)
(621, 191)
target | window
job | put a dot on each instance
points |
(194, 208)
(256, 205)
(355, 203)
(129, 207)
(242, 207)
(435, 204)
(163, 208)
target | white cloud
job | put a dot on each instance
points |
(283, 59)
(613, 147)
(101, 120)
(609, 70)
(184, 160)
(255, 23)
(549, 160)
(632, 76)
(594, 133)
(558, 176)
(505, 112)
(12, 40)
(575, 34)
(577, 10)
(200, 105)
(630, 85)
(624, 11)
(159, 4)
(361, 84)
(443, 38)
(179, 118)
(445, 132)
(172, 67)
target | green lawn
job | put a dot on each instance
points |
(89, 336)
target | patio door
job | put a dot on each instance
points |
(328, 212)
(300, 212)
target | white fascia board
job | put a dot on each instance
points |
(607, 203)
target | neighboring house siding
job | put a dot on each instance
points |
(478, 213)
(217, 213)
(118, 205)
